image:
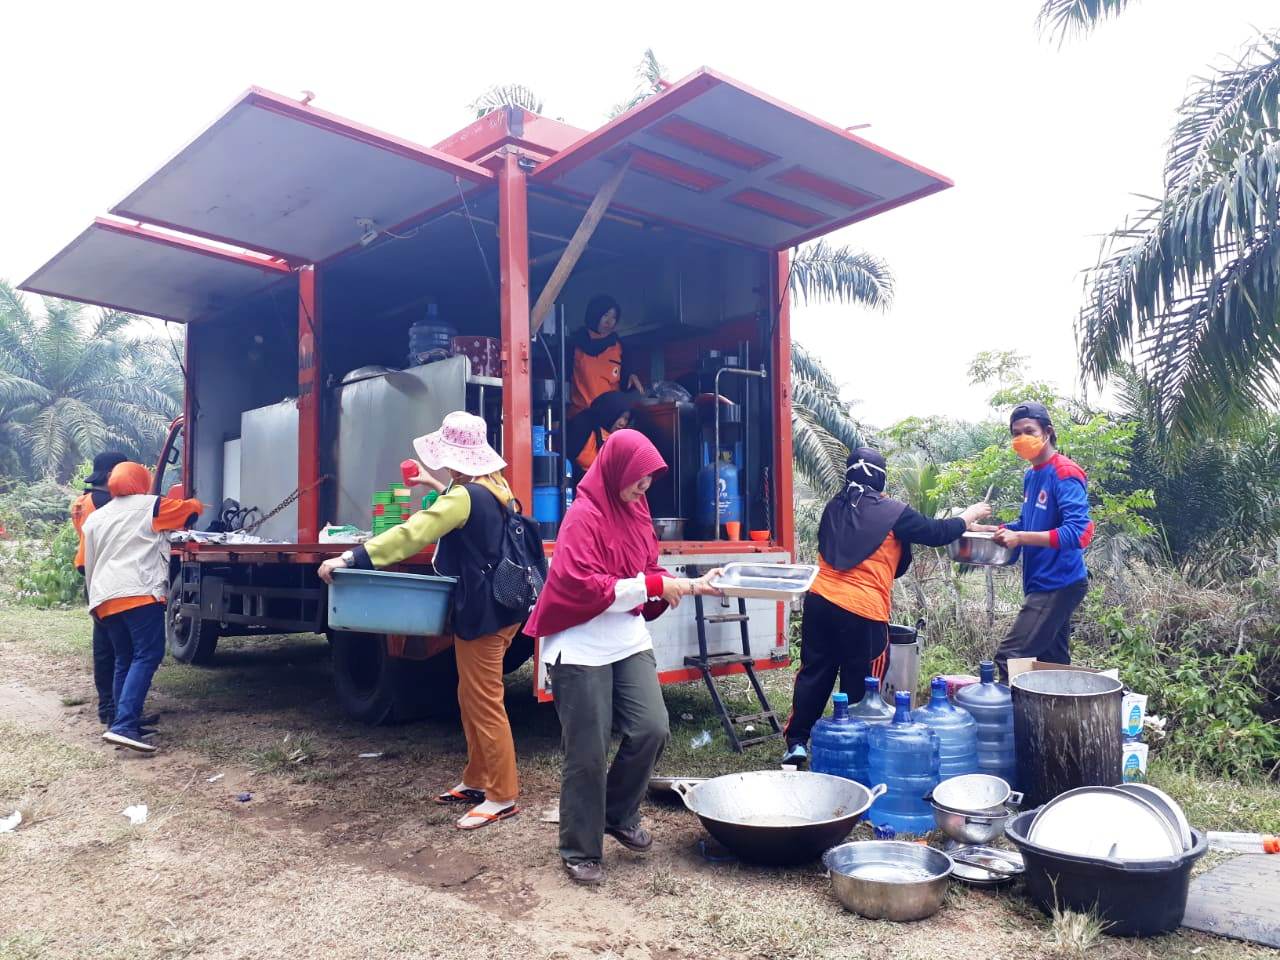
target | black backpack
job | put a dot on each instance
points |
(517, 577)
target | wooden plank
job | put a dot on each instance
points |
(577, 245)
(1238, 900)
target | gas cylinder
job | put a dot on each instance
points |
(729, 498)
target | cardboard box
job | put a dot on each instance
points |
(1021, 665)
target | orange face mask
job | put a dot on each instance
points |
(1028, 447)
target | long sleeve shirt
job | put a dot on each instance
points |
(1055, 500)
(449, 512)
(867, 589)
(611, 636)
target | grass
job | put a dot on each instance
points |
(1075, 934)
(284, 755)
(73, 701)
(23, 946)
(1215, 804)
(35, 760)
(62, 633)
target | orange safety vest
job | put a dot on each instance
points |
(593, 376)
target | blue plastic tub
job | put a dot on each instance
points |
(381, 601)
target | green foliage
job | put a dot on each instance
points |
(822, 273)
(505, 95)
(31, 509)
(46, 572)
(650, 81)
(71, 387)
(1189, 289)
(1210, 698)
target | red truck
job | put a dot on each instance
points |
(299, 247)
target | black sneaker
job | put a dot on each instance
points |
(796, 756)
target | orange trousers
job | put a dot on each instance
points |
(491, 753)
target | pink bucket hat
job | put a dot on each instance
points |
(460, 444)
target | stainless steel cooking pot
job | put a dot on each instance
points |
(980, 549)
(889, 879)
(778, 816)
(981, 826)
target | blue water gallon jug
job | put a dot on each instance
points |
(956, 730)
(729, 499)
(991, 705)
(903, 755)
(872, 707)
(546, 504)
(838, 744)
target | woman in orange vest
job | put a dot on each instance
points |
(590, 429)
(864, 544)
(597, 356)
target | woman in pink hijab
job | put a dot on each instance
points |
(604, 584)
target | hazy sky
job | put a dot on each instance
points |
(1046, 146)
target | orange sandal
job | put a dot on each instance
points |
(488, 818)
(460, 796)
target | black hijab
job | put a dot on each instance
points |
(597, 307)
(599, 417)
(859, 519)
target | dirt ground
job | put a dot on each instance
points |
(337, 856)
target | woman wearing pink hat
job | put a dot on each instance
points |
(468, 521)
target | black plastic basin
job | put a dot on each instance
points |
(1137, 898)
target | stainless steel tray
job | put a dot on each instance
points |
(766, 581)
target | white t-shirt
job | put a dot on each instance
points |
(612, 636)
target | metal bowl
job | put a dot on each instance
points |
(669, 528)
(778, 816)
(974, 792)
(889, 879)
(980, 549)
(980, 827)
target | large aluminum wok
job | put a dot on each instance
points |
(778, 816)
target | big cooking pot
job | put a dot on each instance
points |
(778, 816)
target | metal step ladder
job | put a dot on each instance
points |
(705, 662)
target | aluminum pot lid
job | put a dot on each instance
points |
(1166, 805)
(973, 792)
(1105, 823)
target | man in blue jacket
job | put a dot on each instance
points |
(1052, 534)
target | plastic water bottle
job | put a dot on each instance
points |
(991, 705)
(904, 756)
(956, 730)
(871, 708)
(838, 744)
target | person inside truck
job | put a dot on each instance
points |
(467, 523)
(597, 356)
(126, 568)
(864, 544)
(604, 584)
(96, 495)
(1052, 531)
(588, 430)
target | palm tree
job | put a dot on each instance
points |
(823, 429)
(505, 95)
(1188, 290)
(70, 386)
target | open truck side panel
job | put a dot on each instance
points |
(298, 247)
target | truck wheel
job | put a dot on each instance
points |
(189, 639)
(375, 688)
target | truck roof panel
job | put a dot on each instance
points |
(125, 267)
(713, 155)
(279, 176)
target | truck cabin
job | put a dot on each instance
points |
(344, 289)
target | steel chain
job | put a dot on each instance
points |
(298, 491)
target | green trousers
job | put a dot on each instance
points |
(593, 703)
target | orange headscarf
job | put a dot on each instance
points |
(129, 479)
